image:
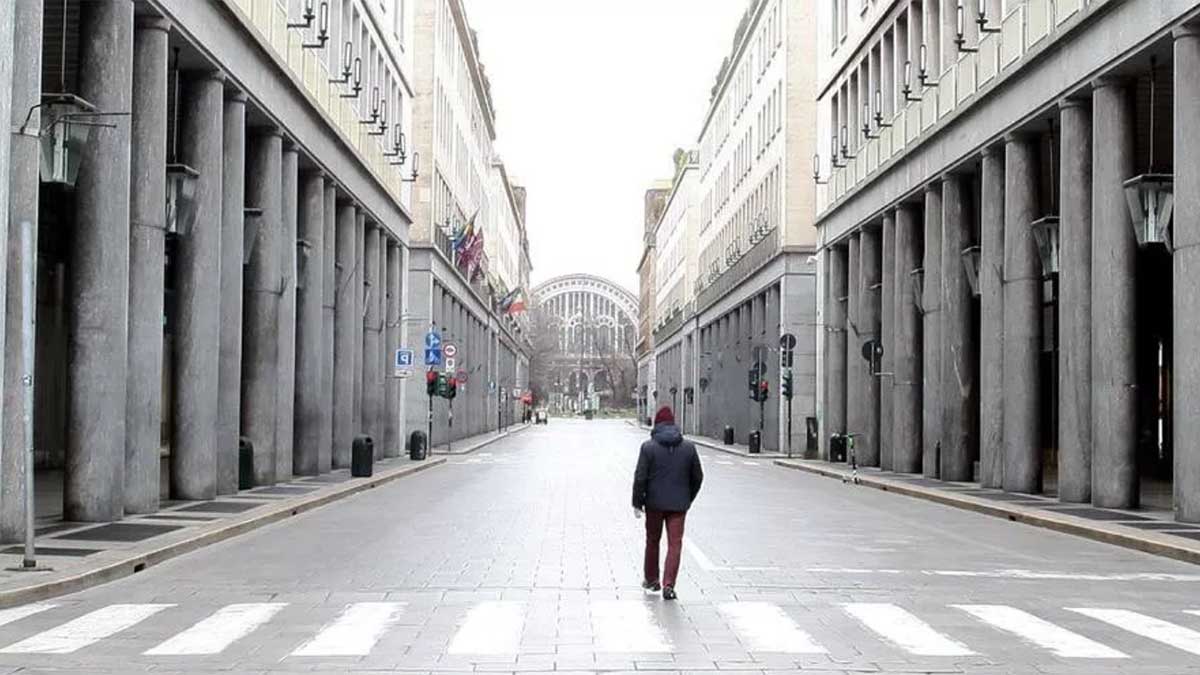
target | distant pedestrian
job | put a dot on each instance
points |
(666, 482)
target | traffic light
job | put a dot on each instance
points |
(786, 385)
(431, 383)
(763, 391)
(452, 388)
(753, 382)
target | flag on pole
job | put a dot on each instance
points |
(508, 299)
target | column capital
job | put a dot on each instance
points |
(290, 144)
(1187, 30)
(209, 75)
(152, 22)
(1014, 137)
(1109, 80)
(236, 96)
(315, 172)
(1073, 102)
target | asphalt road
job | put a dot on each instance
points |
(525, 557)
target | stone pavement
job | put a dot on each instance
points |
(524, 557)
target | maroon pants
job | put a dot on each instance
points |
(654, 528)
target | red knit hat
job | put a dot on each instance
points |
(664, 416)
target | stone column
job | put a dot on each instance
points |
(198, 297)
(344, 336)
(379, 381)
(309, 326)
(958, 367)
(147, 260)
(906, 390)
(391, 421)
(99, 268)
(328, 308)
(931, 343)
(22, 207)
(1075, 305)
(229, 376)
(1114, 300)
(360, 233)
(1185, 419)
(371, 402)
(869, 275)
(887, 336)
(855, 417)
(7, 58)
(264, 279)
(285, 398)
(991, 320)
(1022, 321)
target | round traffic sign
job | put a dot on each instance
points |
(450, 350)
(461, 376)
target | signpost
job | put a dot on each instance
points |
(404, 362)
(433, 358)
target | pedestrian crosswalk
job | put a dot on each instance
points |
(642, 626)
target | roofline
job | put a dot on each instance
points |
(738, 52)
(459, 12)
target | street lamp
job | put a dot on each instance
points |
(1046, 234)
(918, 283)
(181, 179)
(1151, 196)
(971, 261)
(252, 219)
(64, 137)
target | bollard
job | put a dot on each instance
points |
(245, 463)
(837, 448)
(417, 444)
(728, 435)
(755, 442)
(362, 457)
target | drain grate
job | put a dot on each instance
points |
(120, 532)
(221, 507)
(1160, 525)
(1096, 514)
(53, 551)
(282, 490)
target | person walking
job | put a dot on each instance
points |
(665, 484)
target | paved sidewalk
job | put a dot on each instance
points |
(1147, 531)
(468, 445)
(76, 556)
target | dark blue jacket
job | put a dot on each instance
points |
(668, 475)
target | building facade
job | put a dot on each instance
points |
(753, 289)
(208, 198)
(591, 325)
(654, 201)
(465, 188)
(1007, 211)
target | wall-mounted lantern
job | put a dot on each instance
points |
(971, 259)
(347, 64)
(817, 170)
(1151, 200)
(908, 90)
(303, 253)
(923, 66)
(416, 169)
(252, 223)
(917, 277)
(357, 76)
(834, 154)
(181, 179)
(399, 147)
(982, 19)
(866, 127)
(960, 38)
(308, 16)
(322, 27)
(64, 136)
(879, 121)
(1046, 234)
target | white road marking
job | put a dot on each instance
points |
(749, 463)
(1013, 574)
(491, 628)
(766, 628)
(355, 632)
(1040, 632)
(87, 629)
(702, 560)
(10, 615)
(905, 630)
(626, 626)
(723, 462)
(1146, 626)
(213, 634)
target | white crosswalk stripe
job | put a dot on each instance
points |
(86, 630)
(1146, 626)
(355, 632)
(215, 633)
(764, 627)
(626, 626)
(12, 614)
(1040, 632)
(491, 627)
(904, 630)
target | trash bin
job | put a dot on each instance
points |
(755, 442)
(245, 463)
(837, 448)
(362, 457)
(417, 445)
(728, 435)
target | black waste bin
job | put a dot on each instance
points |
(362, 457)
(728, 435)
(837, 448)
(755, 442)
(245, 463)
(417, 444)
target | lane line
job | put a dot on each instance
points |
(1040, 632)
(904, 630)
(701, 559)
(1013, 574)
(765, 627)
(12, 614)
(354, 632)
(86, 630)
(1146, 626)
(492, 627)
(215, 633)
(626, 626)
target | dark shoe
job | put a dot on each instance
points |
(651, 586)
(668, 593)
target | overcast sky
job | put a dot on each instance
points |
(592, 98)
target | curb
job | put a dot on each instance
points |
(1151, 542)
(480, 444)
(735, 451)
(137, 562)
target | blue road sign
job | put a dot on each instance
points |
(404, 358)
(433, 357)
(433, 340)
